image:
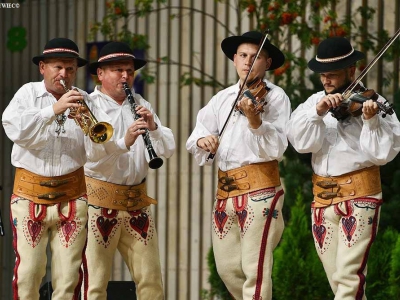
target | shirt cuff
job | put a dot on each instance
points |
(121, 147)
(312, 115)
(156, 134)
(371, 123)
(259, 131)
(47, 113)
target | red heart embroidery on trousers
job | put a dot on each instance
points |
(319, 232)
(220, 218)
(68, 229)
(140, 224)
(105, 226)
(34, 229)
(348, 225)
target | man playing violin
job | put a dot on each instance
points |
(119, 208)
(247, 216)
(346, 154)
(49, 203)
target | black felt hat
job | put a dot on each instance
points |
(334, 53)
(115, 51)
(60, 48)
(230, 45)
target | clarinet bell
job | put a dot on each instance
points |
(155, 161)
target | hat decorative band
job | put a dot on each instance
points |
(115, 55)
(333, 59)
(60, 50)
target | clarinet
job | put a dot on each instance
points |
(155, 161)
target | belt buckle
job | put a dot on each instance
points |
(132, 193)
(53, 182)
(132, 198)
(327, 195)
(226, 180)
(52, 195)
(130, 203)
(229, 188)
(326, 184)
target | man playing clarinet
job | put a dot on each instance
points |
(119, 207)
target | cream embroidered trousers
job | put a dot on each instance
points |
(63, 226)
(134, 235)
(343, 234)
(247, 229)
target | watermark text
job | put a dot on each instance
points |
(9, 5)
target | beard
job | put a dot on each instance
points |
(341, 88)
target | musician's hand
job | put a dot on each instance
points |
(209, 143)
(249, 110)
(68, 100)
(327, 102)
(147, 117)
(370, 109)
(137, 128)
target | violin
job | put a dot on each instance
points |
(353, 101)
(352, 105)
(256, 89)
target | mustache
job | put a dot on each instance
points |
(339, 89)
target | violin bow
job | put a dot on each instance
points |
(260, 46)
(364, 72)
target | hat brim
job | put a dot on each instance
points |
(229, 47)
(320, 67)
(81, 62)
(137, 62)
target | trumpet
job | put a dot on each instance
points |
(99, 132)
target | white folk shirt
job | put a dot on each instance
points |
(112, 161)
(341, 147)
(241, 145)
(29, 121)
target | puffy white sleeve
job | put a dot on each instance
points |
(380, 137)
(206, 124)
(25, 124)
(269, 141)
(306, 129)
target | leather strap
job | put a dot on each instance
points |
(117, 196)
(49, 190)
(336, 189)
(247, 179)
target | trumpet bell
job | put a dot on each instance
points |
(101, 132)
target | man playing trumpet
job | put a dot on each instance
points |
(49, 203)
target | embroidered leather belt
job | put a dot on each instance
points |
(117, 196)
(247, 179)
(49, 190)
(332, 190)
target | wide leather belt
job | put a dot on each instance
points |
(117, 196)
(247, 179)
(335, 189)
(49, 190)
